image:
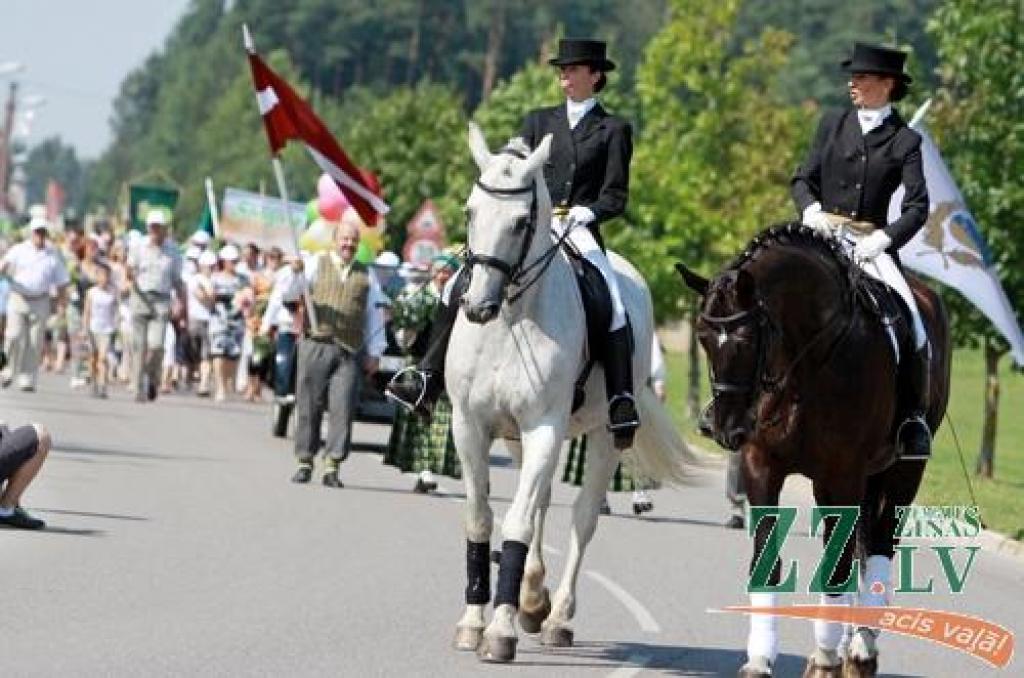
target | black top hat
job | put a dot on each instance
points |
(577, 51)
(875, 59)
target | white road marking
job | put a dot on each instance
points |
(642, 615)
(635, 663)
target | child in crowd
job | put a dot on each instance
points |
(100, 318)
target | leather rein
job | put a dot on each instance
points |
(766, 336)
(516, 274)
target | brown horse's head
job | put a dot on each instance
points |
(732, 326)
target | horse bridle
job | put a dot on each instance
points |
(511, 271)
(516, 274)
(756, 315)
(761, 383)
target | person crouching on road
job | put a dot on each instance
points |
(22, 453)
(347, 334)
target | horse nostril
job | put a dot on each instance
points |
(735, 438)
(488, 311)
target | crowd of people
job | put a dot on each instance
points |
(137, 310)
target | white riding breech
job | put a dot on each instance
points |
(883, 268)
(586, 244)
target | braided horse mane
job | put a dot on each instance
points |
(793, 233)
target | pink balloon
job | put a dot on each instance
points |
(332, 201)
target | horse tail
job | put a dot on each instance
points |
(659, 452)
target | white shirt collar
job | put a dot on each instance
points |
(577, 109)
(871, 118)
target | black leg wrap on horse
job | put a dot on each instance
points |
(510, 573)
(478, 572)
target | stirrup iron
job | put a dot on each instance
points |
(414, 406)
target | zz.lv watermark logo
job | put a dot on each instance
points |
(920, 522)
(936, 532)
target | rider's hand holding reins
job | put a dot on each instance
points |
(872, 245)
(581, 215)
(818, 220)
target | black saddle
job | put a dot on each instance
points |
(882, 302)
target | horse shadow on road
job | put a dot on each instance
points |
(678, 660)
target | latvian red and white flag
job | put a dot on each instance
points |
(286, 116)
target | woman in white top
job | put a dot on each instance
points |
(227, 326)
(99, 317)
(200, 302)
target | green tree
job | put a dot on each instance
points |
(414, 139)
(53, 160)
(718, 143)
(977, 120)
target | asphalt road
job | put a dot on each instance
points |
(177, 546)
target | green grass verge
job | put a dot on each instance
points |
(1001, 499)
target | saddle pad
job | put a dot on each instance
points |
(882, 302)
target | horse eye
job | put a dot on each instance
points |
(522, 223)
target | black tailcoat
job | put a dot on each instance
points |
(589, 165)
(854, 174)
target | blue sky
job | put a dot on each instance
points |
(76, 53)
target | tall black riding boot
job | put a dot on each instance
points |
(618, 378)
(914, 438)
(418, 388)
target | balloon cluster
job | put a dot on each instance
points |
(330, 209)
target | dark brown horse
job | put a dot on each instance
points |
(804, 379)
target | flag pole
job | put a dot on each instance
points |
(211, 202)
(282, 190)
(919, 114)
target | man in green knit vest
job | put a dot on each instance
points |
(348, 335)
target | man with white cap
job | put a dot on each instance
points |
(154, 271)
(34, 267)
(200, 239)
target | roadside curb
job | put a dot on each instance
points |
(996, 542)
(990, 541)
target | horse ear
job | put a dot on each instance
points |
(478, 147)
(539, 156)
(745, 288)
(695, 282)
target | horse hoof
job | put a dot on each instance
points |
(556, 636)
(756, 667)
(530, 619)
(860, 668)
(467, 638)
(500, 650)
(815, 670)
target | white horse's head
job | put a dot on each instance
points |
(507, 208)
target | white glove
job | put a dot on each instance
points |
(871, 246)
(581, 215)
(814, 218)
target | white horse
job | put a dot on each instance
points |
(516, 351)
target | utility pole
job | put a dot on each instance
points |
(5, 148)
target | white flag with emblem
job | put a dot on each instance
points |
(950, 248)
